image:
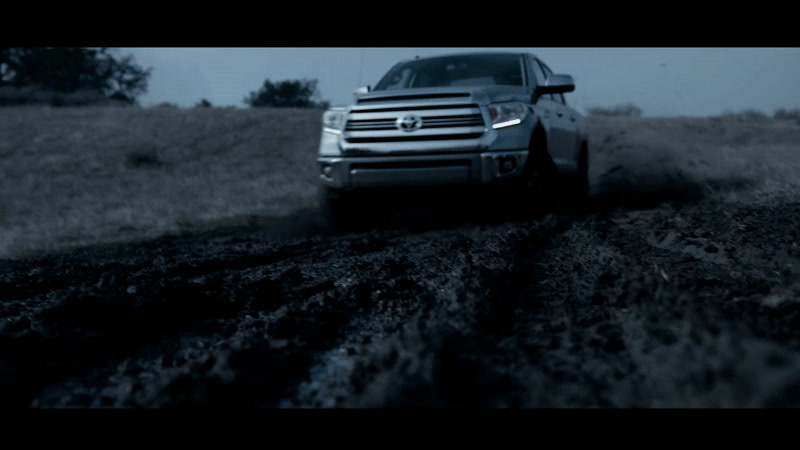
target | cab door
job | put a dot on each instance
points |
(564, 139)
(546, 106)
(553, 121)
(568, 125)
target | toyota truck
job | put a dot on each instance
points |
(462, 121)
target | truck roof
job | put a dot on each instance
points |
(467, 54)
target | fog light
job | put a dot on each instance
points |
(326, 170)
(507, 165)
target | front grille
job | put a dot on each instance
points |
(437, 137)
(471, 120)
(428, 122)
(445, 117)
(374, 124)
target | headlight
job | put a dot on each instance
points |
(507, 114)
(333, 121)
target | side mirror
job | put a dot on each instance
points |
(362, 90)
(557, 84)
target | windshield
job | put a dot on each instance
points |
(456, 70)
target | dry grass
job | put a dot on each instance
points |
(76, 176)
(727, 156)
(32, 95)
(624, 110)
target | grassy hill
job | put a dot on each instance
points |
(75, 176)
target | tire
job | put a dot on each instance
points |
(576, 187)
(336, 208)
(540, 176)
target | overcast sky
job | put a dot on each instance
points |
(662, 81)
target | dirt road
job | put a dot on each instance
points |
(679, 288)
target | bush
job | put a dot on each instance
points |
(626, 110)
(143, 158)
(203, 104)
(287, 94)
(68, 71)
(787, 114)
(746, 114)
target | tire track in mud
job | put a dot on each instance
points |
(694, 328)
(585, 313)
(476, 343)
(412, 355)
(678, 305)
(120, 334)
(206, 301)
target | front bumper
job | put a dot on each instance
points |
(386, 171)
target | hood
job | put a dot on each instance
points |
(481, 95)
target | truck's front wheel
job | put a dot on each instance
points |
(576, 187)
(336, 208)
(539, 177)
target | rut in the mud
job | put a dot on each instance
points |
(658, 307)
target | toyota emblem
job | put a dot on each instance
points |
(409, 122)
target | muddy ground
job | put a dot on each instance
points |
(679, 287)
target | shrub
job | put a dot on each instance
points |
(71, 70)
(625, 110)
(746, 114)
(287, 94)
(143, 158)
(787, 114)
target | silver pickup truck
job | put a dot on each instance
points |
(462, 120)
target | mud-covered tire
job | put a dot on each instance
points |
(539, 181)
(575, 188)
(336, 208)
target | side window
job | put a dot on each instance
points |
(539, 73)
(546, 69)
(542, 74)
